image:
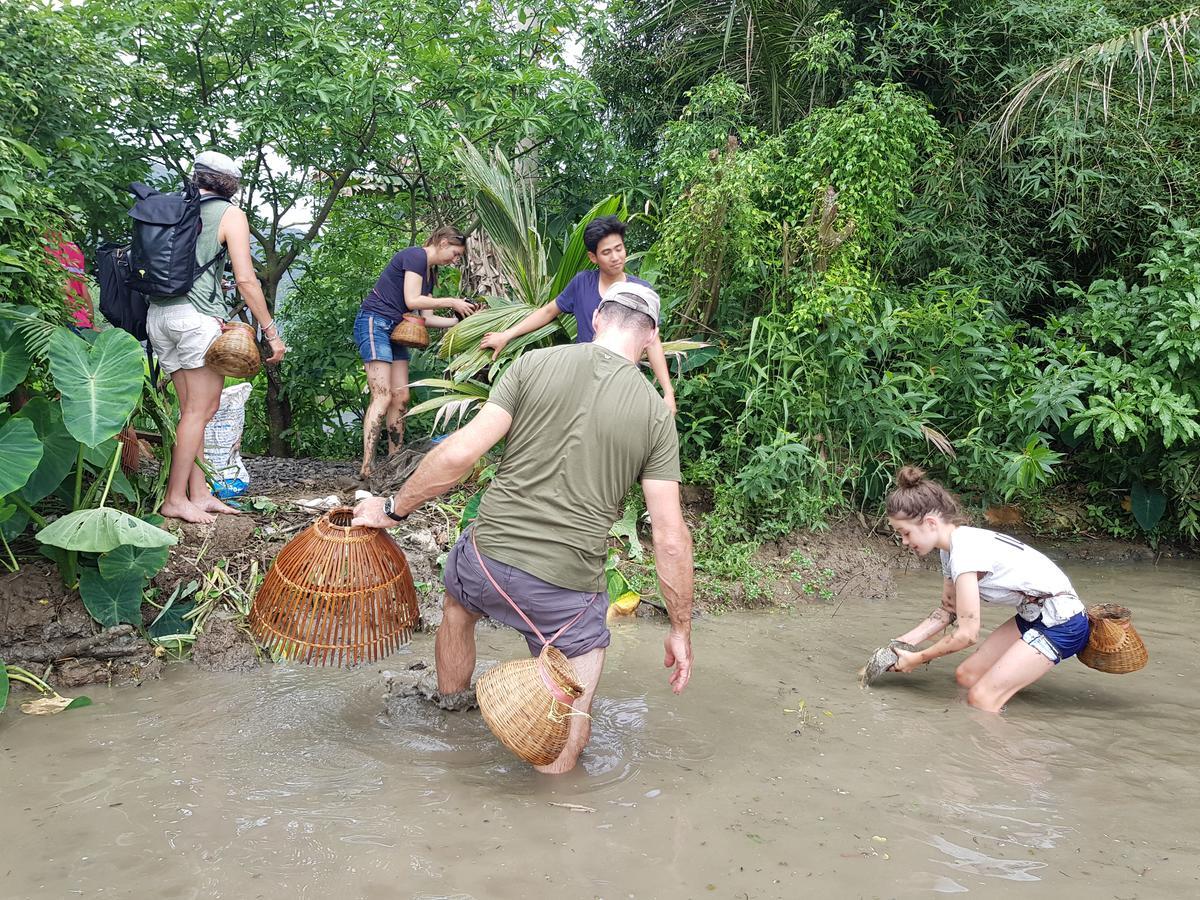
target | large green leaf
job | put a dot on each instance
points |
(20, 453)
(14, 361)
(145, 561)
(112, 601)
(102, 530)
(59, 449)
(100, 383)
(14, 526)
(1148, 505)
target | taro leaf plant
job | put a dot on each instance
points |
(59, 451)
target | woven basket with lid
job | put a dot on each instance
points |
(411, 332)
(1113, 645)
(527, 704)
(235, 352)
(336, 595)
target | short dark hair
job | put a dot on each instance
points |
(600, 228)
(624, 317)
(217, 182)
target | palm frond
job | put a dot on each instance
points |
(35, 331)
(457, 401)
(1158, 52)
(507, 211)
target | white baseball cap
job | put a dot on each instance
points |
(217, 162)
(636, 296)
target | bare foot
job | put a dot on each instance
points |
(211, 504)
(366, 472)
(187, 511)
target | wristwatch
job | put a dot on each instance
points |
(389, 510)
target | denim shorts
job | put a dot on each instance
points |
(1056, 642)
(548, 606)
(373, 334)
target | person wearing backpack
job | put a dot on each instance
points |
(181, 327)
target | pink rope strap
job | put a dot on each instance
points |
(552, 686)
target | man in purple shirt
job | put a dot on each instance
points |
(604, 239)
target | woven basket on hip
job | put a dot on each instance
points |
(411, 332)
(235, 352)
(1114, 644)
(519, 703)
(131, 450)
(336, 594)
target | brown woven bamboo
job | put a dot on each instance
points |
(336, 595)
(131, 450)
(1113, 645)
(521, 711)
(235, 352)
(411, 332)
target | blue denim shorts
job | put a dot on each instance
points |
(548, 606)
(1056, 642)
(373, 334)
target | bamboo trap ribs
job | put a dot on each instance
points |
(336, 595)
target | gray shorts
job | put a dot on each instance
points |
(548, 606)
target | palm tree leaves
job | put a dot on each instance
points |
(1160, 51)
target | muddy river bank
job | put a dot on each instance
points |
(773, 775)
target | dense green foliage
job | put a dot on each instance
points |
(961, 234)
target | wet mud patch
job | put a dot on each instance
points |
(418, 683)
(45, 629)
(224, 647)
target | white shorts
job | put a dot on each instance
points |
(180, 335)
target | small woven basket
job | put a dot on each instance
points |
(336, 595)
(1113, 645)
(235, 352)
(517, 703)
(411, 332)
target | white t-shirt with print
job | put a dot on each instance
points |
(1012, 574)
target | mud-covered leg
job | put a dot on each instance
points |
(454, 647)
(588, 669)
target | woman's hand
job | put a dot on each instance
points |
(277, 350)
(906, 661)
(463, 307)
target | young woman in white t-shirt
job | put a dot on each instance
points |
(1050, 625)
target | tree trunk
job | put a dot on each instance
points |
(279, 407)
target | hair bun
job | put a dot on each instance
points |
(910, 477)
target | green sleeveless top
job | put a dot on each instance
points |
(206, 294)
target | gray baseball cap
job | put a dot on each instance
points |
(217, 162)
(635, 296)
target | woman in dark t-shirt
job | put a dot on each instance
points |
(405, 285)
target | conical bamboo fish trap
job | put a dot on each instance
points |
(336, 595)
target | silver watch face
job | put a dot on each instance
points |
(389, 506)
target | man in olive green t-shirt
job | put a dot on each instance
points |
(582, 426)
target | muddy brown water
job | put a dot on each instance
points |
(774, 775)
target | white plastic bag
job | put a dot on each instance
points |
(223, 442)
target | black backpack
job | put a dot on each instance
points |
(119, 303)
(162, 257)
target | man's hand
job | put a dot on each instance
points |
(277, 350)
(906, 661)
(369, 514)
(495, 340)
(669, 399)
(679, 655)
